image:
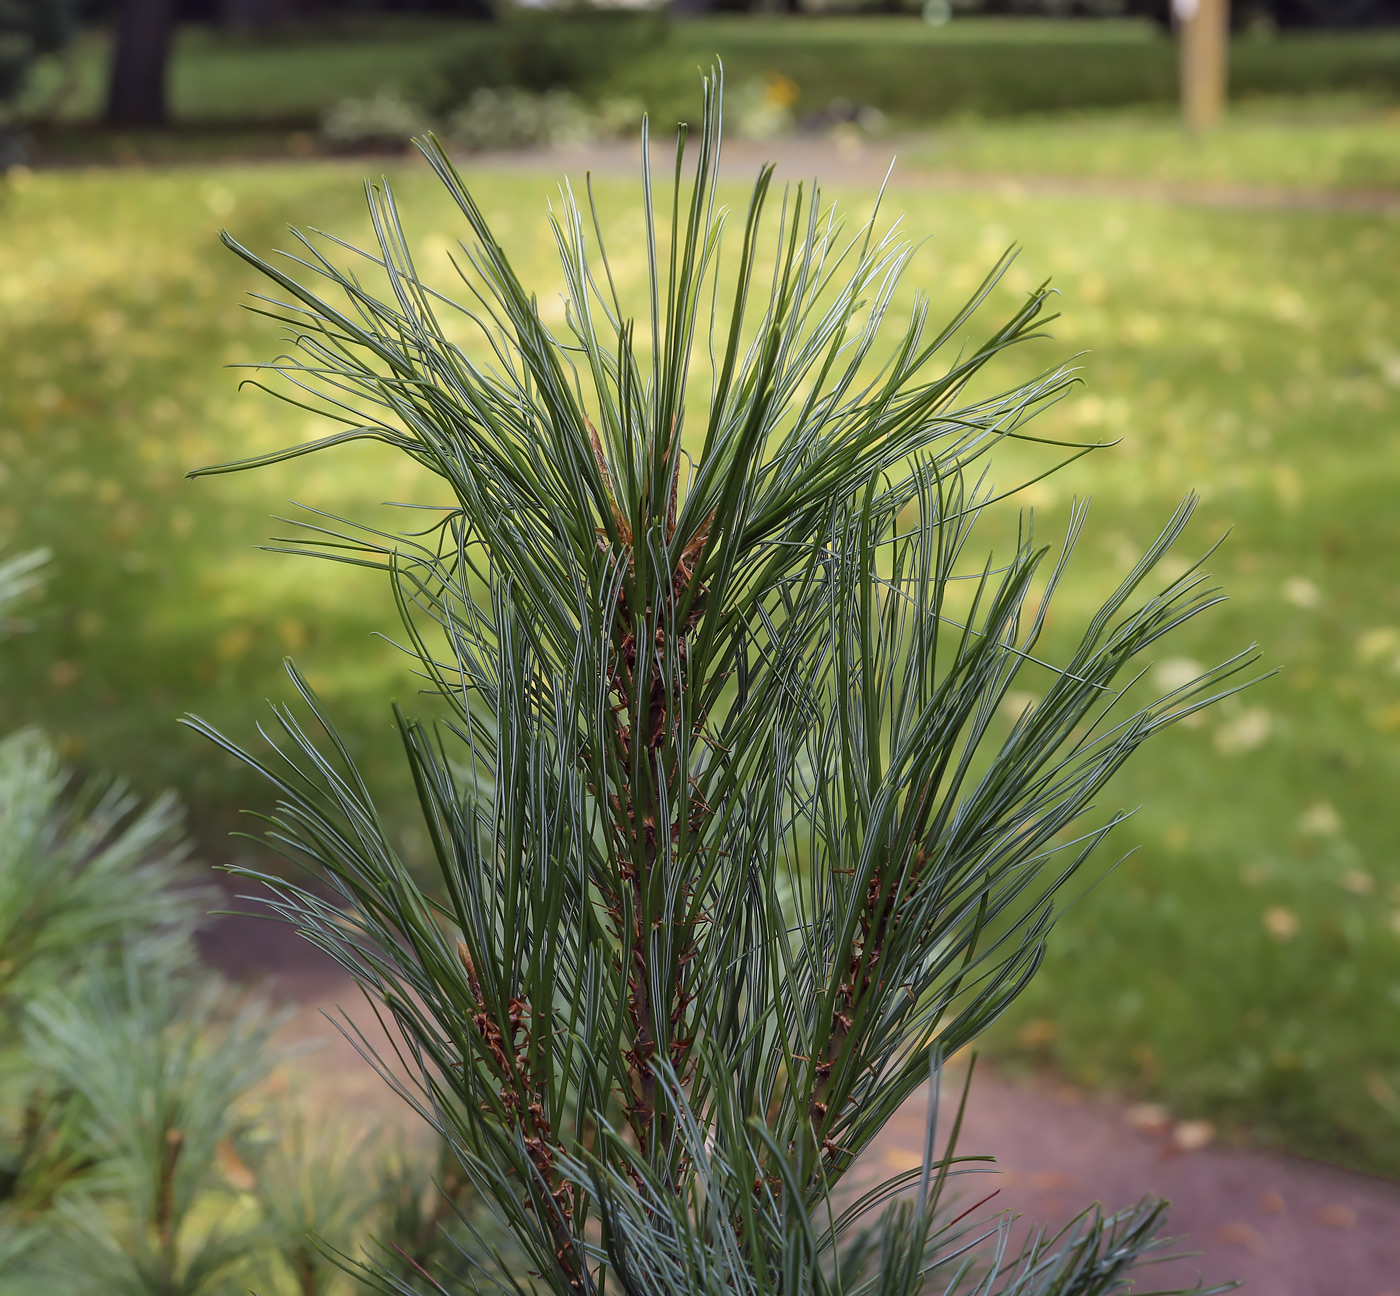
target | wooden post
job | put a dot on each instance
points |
(1205, 42)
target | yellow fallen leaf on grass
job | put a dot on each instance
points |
(1387, 720)
(1245, 732)
(1302, 593)
(1378, 642)
(1036, 1033)
(1320, 820)
(1382, 1090)
(1176, 673)
(1282, 924)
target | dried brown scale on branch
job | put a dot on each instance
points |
(521, 1096)
(635, 830)
(880, 914)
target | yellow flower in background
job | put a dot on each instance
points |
(780, 91)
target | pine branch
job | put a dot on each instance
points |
(727, 830)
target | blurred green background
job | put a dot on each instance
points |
(1235, 298)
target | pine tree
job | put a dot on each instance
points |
(732, 845)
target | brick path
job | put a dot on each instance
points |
(1289, 1227)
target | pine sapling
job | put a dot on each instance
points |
(733, 843)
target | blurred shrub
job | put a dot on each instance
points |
(386, 119)
(135, 1154)
(501, 117)
(761, 108)
(575, 49)
(150, 1070)
(29, 30)
(513, 118)
(308, 1176)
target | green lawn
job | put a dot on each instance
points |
(218, 78)
(987, 68)
(120, 313)
(912, 71)
(1244, 964)
(1308, 145)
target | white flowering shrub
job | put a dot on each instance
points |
(386, 118)
(761, 108)
(508, 117)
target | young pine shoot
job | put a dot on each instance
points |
(733, 842)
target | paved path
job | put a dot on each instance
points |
(1288, 1227)
(865, 163)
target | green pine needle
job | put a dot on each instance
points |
(730, 833)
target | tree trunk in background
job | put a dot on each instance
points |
(136, 87)
(243, 15)
(1204, 55)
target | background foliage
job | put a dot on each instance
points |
(143, 1147)
(1246, 349)
(1239, 350)
(223, 83)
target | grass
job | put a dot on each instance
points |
(910, 70)
(1305, 145)
(222, 78)
(989, 69)
(1243, 964)
(121, 312)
